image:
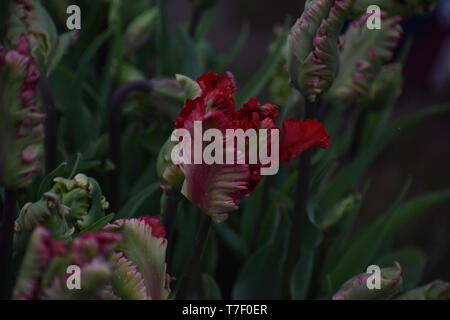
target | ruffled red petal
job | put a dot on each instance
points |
(299, 136)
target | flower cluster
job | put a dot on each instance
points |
(125, 260)
(218, 188)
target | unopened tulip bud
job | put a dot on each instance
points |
(172, 178)
(21, 121)
(312, 53)
(363, 53)
(436, 290)
(357, 288)
(71, 205)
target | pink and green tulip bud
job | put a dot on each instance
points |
(69, 207)
(44, 270)
(436, 290)
(29, 17)
(357, 288)
(140, 267)
(362, 54)
(312, 53)
(21, 120)
(404, 8)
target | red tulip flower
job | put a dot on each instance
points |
(218, 188)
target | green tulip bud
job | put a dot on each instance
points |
(30, 18)
(71, 205)
(357, 289)
(172, 178)
(436, 290)
(312, 53)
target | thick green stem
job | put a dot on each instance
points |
(193, 265)
(114, 109)
(6, 244)
(300, 209)
(195, 20)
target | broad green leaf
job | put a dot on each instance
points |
(302, 274)
(97, 226)
(269, 217)
(260, 277)
(210, 289)
(132, 206)
(350, 174)
(192, 64)
(260, 79)
(362, 250)
(231, 55)
(232, 239)
(61, 49)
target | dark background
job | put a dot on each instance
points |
(422, 153)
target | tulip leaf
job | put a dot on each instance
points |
(98, 225)
(232, 239)
(362, 250)
(260, 79)
(347, 177)
(210, 289)
(260, 277)
(302, 274)
(132, 206)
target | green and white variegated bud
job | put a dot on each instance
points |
(21, 119)
(140, 267)
(29, 17)
(171, 176)
(70, 206)
(312, 52)
(404, 8)
(391, 282)
(386, 88)
(436, 290)
(363, 52)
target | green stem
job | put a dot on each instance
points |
(169, 224)
(193, 265)
(114, 112)
(6, 244)
(300, 209)
(361, 118)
